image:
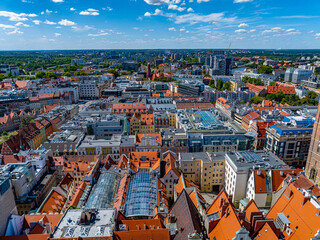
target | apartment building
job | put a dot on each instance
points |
(205, 169)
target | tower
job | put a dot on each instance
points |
(149, 71)
(313, 163)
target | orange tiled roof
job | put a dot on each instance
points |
(54, 203)
(251, 207)
(154, 234)
(157, 135)
(279, 175)
(300, 211)
(260, 181)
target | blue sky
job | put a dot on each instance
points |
(149, 24)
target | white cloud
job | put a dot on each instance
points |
(16, 31)
(17, 17)
(72, 9)
(172, 29)
(241, 30)
(21, 24)
(48, 11)
(57, 34)
(57, 1)
(65, 22)
(200, 1)
(157, 2)
(147, 14)
(242, 1)
(190, 9)
(158, 12)
(81, 29)
(90, 11)
(49, 23)
(290, 30)
(176, 7)
(243, 25)
(4, 26)
(107, 8)
(37, 22)
(317, 35)
(182, 29)
(101, 33)
(195, 18)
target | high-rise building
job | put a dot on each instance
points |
(288, 74)
(301, 74)
(313, 162)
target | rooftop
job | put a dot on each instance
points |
(78, 223)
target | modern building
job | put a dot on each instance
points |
(290, 140)
(300, 75)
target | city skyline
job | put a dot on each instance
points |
(158, 24)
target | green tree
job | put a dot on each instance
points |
(4, 134)
(114, 72)
(312, 95)
(79, 73)
(265, 70)
(2, 77)
(50, 75)
(40, 74)
(272, 84)
(211, 83)
(67, 74)
(227, 86)
(256, 99)
(219, 84)
(25, 121)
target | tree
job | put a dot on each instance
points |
(114, 72)
(219, 84)
(256, 99)
(40, 74)
(312, 95)
(265, 70)
(211, 83)
(50, 75)
(4, 133)
(227, 86)
(2, 77)
(272, 84)
(67, 74)
(79, 73)
(25, 121)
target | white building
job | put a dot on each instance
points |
(89, 90)
(238, 166)
(301, 74)
(7, 203)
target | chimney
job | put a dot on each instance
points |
(230, 198)
(305, 199)
(224, 208)
(259, 172)
(242, 216)
(281, 173)
(221, 202)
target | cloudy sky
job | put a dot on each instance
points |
(149, 24)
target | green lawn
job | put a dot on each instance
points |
(6, 137)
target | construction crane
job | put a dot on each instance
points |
(228, 50)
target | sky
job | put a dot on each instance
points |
(159, 24)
